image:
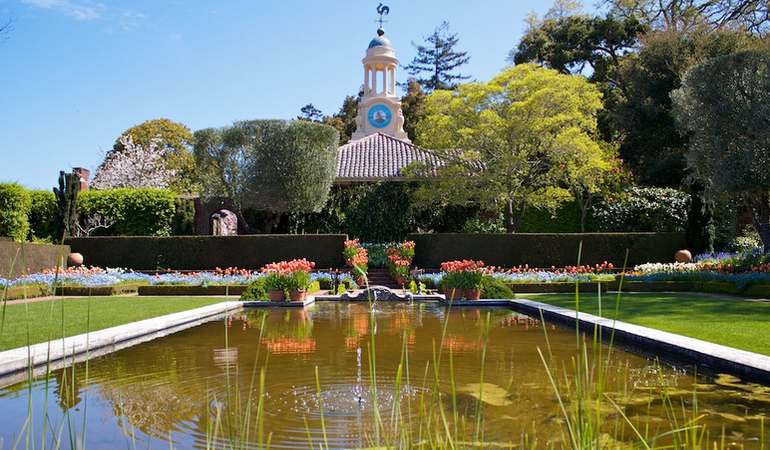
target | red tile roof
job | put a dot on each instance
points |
(379, 157)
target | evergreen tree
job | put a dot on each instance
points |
(437, 60)
(413, 105)
(345, 120)
(310, 113)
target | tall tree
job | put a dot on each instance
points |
(518, 134)
(344, 121)
(310, 113)
(683, 16)
(724, 106)
(173, 140)
(270, 165)
(413, 105)
(437, 60)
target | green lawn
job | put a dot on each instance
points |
(45, 318)
(738, 323)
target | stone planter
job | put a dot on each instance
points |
(296, 295)
(74, 260)
(276, 296)
(472, 294)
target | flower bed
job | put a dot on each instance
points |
(400, 258)
(462, 279)
(357, 258)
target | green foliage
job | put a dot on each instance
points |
(256, 292)
(42, 216)
(566, 219)
(493, 288)
(295, 281)
(136, 212)
(270, 165)
(184, 217)
(344, 121)
(413, 106)
(15, 205)
(643, 209)
(437, 60)
(523, 136)
(722, 104)
(175, 139)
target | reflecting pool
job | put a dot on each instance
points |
(344, 376)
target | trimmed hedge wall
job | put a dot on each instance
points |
(546, 250)
(136, 212)
(31, 258)
(209, 252)
(15, 203)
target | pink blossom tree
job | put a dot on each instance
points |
(135, 166)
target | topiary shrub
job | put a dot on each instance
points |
(493, 288)
(15, 204)
(256, 291)
(135, 212)
(184, 217)
(42, 216)
(643, 209)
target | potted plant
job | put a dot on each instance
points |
(400, 261)
(357, 258)
(462, 279)
(288, 279)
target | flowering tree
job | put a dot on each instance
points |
(137, 166)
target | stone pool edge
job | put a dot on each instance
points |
(15, 364)
(742, 363)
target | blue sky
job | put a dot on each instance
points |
(74, 74)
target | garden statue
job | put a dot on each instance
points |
(224, 223)
(67, 204)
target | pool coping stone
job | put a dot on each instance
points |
(60, 352)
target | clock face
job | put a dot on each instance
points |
(380, 116)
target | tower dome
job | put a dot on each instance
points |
(380, 40)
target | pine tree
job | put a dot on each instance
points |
(345, 120)
(310, 113)
(436, 61)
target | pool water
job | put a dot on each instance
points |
(298, 378)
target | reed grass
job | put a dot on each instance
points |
(590, 415)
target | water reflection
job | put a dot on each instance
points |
(186, 384)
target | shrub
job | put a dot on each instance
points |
(256, 292)
(184, 217)
(463, 274)
(400, 259)
(288, 275)
(42, 216)
(136, 212)
(494, 288)
(643, 209)
(15, 204)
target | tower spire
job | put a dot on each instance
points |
(379, 110)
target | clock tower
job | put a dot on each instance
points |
(379, 110)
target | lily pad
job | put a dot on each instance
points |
(488, 393)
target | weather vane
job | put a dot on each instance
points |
(382, 10)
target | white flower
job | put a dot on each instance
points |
(135, 166)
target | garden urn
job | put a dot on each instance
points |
(683, 256)
(74, 260)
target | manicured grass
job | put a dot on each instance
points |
(45, 318)
(737, 323)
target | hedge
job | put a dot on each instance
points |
(42, 216)
(208, 252)
(136, 212)
(15, 203)
(546, 250)
(18, 259)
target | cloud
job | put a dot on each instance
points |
(76, 10)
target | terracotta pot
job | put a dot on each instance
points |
(683, 256)
(74, 260)
(349, 263)
(472, 294)
(361, 281)
(297, 295)
(453, 293)
(276, 296)
(401, 281)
